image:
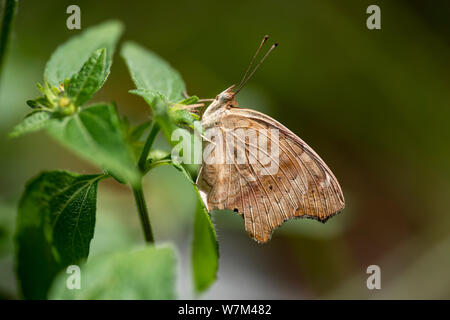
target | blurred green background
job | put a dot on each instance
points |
(375, 104)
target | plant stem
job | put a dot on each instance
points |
(6, 27)
(156, 164)
(137, 189)
(148, 145)
(143, 212)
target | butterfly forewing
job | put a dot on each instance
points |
(301, 186)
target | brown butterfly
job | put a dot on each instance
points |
(302, 185)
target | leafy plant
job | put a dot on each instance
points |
(122, 274)
(56, 215)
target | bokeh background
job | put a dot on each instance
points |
(375, 104)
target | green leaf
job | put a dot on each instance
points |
(159, 106)
(39, 102)
(148, 273)
(168, 117)
(157, 155)
(160, 85)
(205, 248)
(190, 100)
(89, 80)
(183, 117)
(95, 133)
(35, 121)
(69, 57)
(55, 225)
(152, 73)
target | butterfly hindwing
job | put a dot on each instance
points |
(302, 185)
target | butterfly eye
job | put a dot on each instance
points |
(217, 97)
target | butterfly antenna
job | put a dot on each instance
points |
(242, 84)
(253, 59)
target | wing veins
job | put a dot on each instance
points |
(294, 206)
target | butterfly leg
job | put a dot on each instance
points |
(190, 107)
(187, 96)
(206, 139)
(193, 107)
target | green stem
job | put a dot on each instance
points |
(9, 11)
(137, 189)
(148, 145)
(143, 212)
(156, 164)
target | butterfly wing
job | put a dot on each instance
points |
(303, 185)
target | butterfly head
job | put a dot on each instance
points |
(226, 99)
(227, 95)
(216, 109)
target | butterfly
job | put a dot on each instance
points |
(302, 186)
